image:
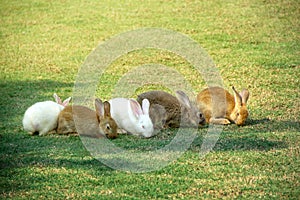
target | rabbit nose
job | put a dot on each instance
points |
(201, 120)
(111, 136)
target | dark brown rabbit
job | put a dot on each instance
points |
(88, 122)
(221, 107)
(180, 111)
(158, 116)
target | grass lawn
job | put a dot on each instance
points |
(254, 44)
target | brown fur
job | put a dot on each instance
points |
(74, 119)
(180, 111)
(158, 116)
(221, 107)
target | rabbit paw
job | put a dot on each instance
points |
(221, 121)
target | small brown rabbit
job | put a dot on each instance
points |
(88, 122)
(180, 111)
(220, 107)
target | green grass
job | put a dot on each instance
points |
(254, 44)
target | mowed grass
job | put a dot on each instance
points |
(254, 44)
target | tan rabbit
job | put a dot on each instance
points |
(180, 111)
(220, 107)
(88, 122)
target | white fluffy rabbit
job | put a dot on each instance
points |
(41, 117)
(129, 116)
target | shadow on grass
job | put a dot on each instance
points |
(25, 159)
(17, 96)
(257, 135)
(45, 161)
(23, 175)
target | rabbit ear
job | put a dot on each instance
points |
(183, 98)
(99, 108)
(66, 102)
(106, 109)
(57, 98)
(136, 108)
(145, 106)
(245, 95)
(237, 97)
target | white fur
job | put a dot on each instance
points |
(42, 117)
(129, 116)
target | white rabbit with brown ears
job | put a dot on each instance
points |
(41, 117)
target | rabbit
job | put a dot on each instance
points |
(41, 117)
(130, 117)
(180, 111)
(88, 122)
(223, 108)
(158, 116)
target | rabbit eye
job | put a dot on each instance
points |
(107, 127)
(143, 126)
(200, 115)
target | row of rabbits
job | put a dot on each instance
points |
(151, 112)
